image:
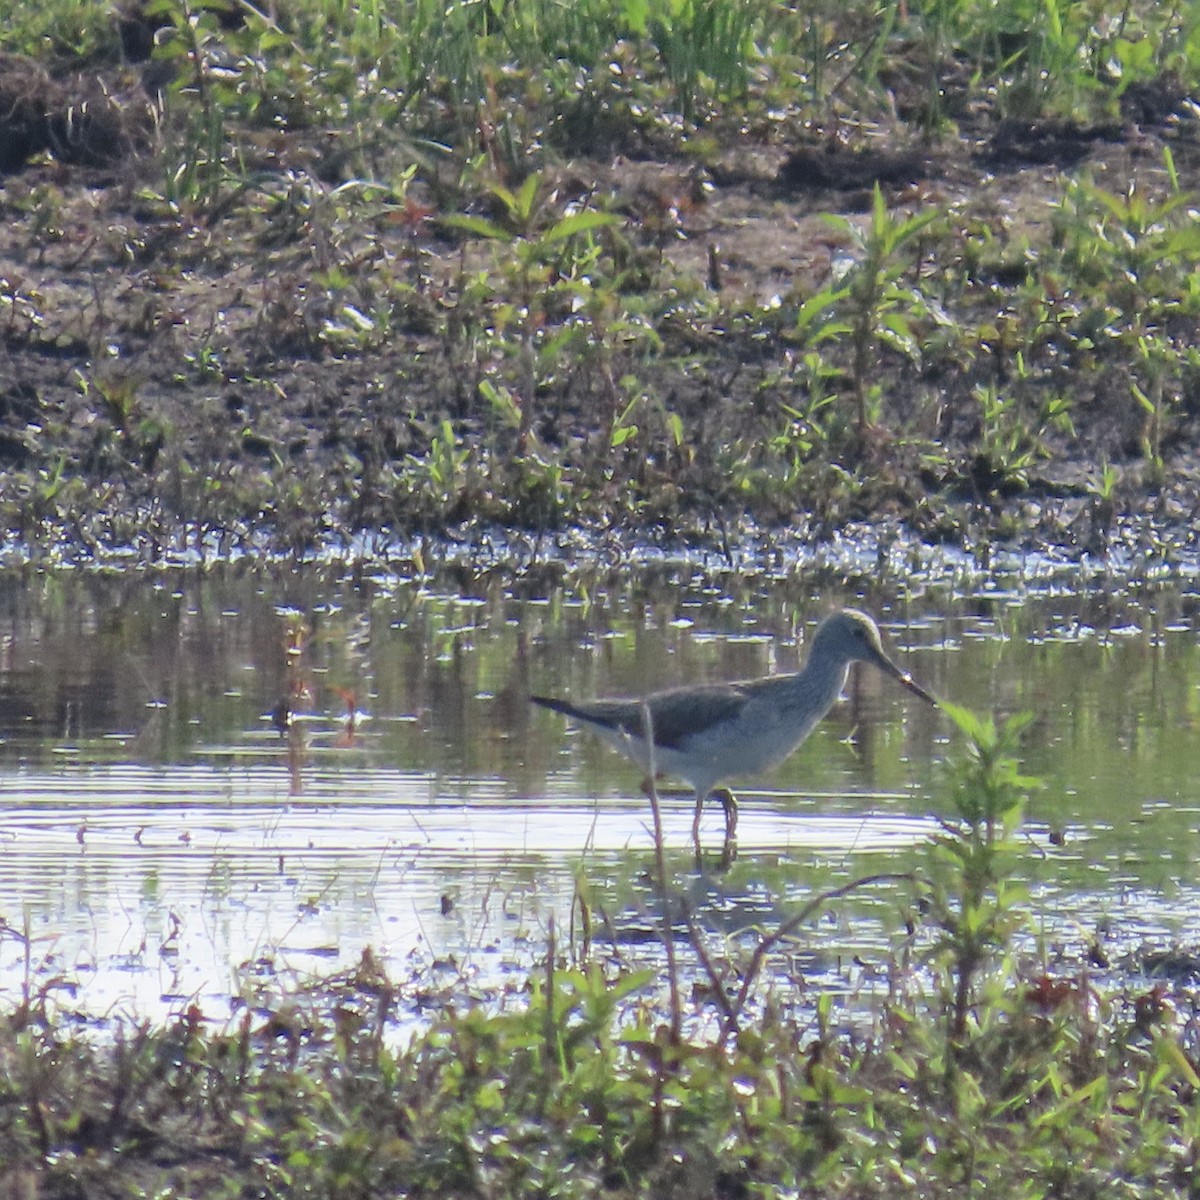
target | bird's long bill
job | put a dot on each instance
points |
(906, 679)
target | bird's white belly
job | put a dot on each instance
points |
(760, 739)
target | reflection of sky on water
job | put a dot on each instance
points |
(152, 853)
(154, 887)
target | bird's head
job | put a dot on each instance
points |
(853, 637)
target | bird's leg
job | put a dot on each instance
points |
(729, 804)
(700, 798)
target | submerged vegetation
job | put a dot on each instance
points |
(977, 1070)
(309, 269)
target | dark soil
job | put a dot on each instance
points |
(175, 371)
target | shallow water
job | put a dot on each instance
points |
(164, 843)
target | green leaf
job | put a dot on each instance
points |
(976, 728)
(1142, 398)
(579, 223)
(502, 401)
(629, 985)
(479, 226)
(1168, 1052)
(636, 14)
(814, 307)
(527, 197)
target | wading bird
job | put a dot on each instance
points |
(714, 732)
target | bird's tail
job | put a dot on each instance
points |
(560, 706)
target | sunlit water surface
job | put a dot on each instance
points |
(163, 843)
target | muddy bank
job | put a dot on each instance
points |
(294, 347)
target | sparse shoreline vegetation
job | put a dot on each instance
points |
(679, 269)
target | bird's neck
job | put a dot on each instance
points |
(815, 689)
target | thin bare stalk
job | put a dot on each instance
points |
(771, 940)
(719, 990)
(660, 872)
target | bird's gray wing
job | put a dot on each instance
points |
(676, 715)
(681, 715)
